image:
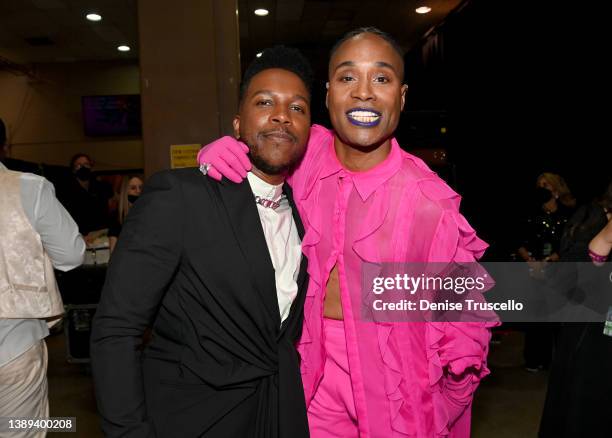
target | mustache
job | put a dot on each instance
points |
(279, 133)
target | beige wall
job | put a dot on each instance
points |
(190, 67)
(44, 118)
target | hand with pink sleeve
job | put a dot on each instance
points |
(225, 157)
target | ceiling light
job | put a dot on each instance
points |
(261, 12)
(93, 17)
(259, 54)
(423, 10)
(124, 48)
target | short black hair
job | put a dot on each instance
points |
(374, 31)
(2, 133)
(282, 57)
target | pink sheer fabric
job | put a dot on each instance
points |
(409, 379)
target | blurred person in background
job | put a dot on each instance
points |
(553, 204)
(600, 246)
(131, 188)
(580, 381)
(86, 198)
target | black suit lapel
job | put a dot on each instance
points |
(300, 228)
(244, 218)
(295, 315)
(296, 217)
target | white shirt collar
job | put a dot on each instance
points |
(264, 189)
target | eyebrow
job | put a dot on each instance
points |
(377, 63)
(270, 92)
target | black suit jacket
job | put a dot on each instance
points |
(192, 262)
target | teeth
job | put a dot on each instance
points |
(364, 116)
(356, 114)
(365, 119)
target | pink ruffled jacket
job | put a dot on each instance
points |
(420, 377)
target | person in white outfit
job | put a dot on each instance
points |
(38, 235)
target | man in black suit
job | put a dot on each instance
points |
(216, 269)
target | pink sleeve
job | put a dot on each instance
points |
(457, 362)
(457, 350)
(304, 174)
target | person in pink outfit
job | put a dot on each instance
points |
(363, 199)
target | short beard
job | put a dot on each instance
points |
(270, 169)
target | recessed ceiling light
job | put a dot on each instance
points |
(261, 12)
(93, 17)
(259, 54)
(423, 10)
(124, 48)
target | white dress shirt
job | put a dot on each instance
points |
(283, 241)
(62, 242)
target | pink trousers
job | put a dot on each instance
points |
(331, 413)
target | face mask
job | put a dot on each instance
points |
(132, 198)
(83, 173)
(541, 195)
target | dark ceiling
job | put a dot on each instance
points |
(314, 25)
(34, 31)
